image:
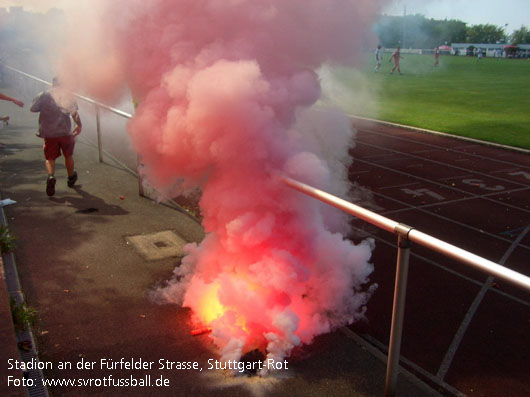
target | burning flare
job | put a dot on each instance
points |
(225, 90)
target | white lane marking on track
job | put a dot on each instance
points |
(421, 192)
(449, 355)
(444, 164)
(525, 175)
(401, 185)
(481, 185)
(441, 147)
(433, 182)
(443, 267)
(454, 177)
(425, 209)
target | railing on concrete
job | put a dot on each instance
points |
(406, 235)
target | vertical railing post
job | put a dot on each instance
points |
(98, 131)
(139, 168)
(139, 162)
(398, 310)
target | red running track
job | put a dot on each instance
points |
(464, 331)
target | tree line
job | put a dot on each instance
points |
(417, 31)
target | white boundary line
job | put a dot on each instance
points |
(455, 344)
(444, 134)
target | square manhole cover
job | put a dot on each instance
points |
(159, 245)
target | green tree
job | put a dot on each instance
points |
(521, 36)
(485, 33)
(455, 31)
(416, 31)
(438, 32)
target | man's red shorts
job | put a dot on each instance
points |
(54, 146)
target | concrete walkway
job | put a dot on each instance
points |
(79, 268)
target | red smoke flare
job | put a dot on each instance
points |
(225, 89)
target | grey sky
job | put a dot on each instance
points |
(497, 12)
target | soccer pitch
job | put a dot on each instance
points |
(487, 99)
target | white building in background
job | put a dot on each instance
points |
(524, 50)
(489, 50)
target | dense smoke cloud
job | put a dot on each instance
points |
(224, 91)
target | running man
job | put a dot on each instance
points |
(56, 106)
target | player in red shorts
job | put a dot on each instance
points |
(396, 57)
(56, 106)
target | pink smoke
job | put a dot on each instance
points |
(225, 89)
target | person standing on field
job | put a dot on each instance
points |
(378, 58)
(436, 56)
(396, 56)
(56, 106)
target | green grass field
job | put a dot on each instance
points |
(487, 100)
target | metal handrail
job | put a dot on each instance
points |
(84, 98)
(406, 235)
(413, 235)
